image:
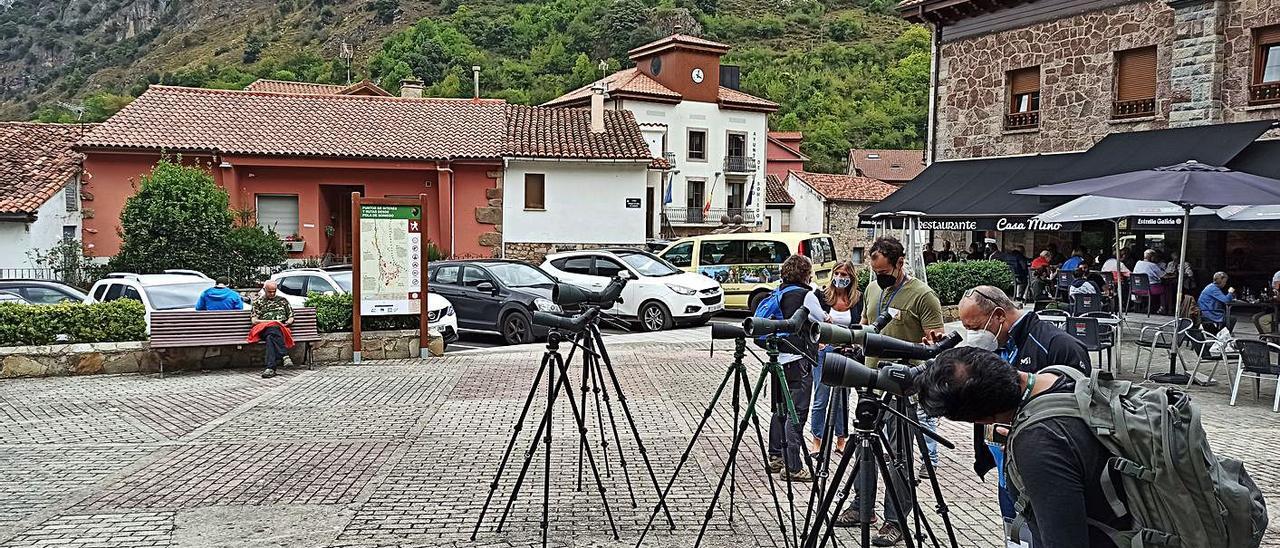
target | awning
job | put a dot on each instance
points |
(978, 188)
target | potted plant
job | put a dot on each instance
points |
(294, 243)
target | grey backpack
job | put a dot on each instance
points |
(1178, 494)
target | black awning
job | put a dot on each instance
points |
(1260, 158)
(980, 187)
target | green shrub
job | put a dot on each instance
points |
(951, 280)
(115, 321)
(251, 248)
(333, 314)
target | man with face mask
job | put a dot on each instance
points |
(993, 322)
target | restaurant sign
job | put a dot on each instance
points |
(1002, 224)
(1151, 223)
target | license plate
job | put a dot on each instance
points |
(715, 308)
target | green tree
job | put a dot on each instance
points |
(178, 219)
(251, 248)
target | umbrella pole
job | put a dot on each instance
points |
(1173, 376)
(1119, 278)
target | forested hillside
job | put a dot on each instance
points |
(846, 72)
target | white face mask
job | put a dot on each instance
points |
(981, 338)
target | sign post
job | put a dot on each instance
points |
(389, 265)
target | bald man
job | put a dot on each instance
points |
(271, 307)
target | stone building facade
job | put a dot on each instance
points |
(1205, 55)
(830, 203)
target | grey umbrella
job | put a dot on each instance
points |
(1188, 185)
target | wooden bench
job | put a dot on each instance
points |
(192, 329)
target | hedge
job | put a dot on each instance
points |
(333, 314)
(115, 321)
(951, 280)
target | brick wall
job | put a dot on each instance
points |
(842, 225)
(1203, 62)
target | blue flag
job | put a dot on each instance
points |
(751, 191)
(666, 198)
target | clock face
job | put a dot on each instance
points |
(697, 76)
(655, 66)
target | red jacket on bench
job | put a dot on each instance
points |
(255, 334)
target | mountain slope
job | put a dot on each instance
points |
(845, 72)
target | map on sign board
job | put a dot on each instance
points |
(390, 259)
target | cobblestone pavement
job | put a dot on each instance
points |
(401, 453)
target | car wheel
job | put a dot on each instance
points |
(654, 317)
(516, 328)
(754, 302)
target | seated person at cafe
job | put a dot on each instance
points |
(1266, 320)
(1213, 304)
(1040, 276)
(1076, 259)
(1154, 274)
(1081, 284)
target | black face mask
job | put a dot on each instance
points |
(885, 281)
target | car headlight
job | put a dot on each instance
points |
(680, 289)
(545, 305)
(448, 311)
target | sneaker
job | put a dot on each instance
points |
(849, 517)
(287, 361)
(775, 464)
(888, 535)
(799, 476)
(268, 372)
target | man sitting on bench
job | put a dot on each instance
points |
(272, 316)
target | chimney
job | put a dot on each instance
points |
(597, 108)
(411, 87)
(475, 81)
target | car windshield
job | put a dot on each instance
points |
(519, 275)
(648, 265)
(343, 278)
(175, 296)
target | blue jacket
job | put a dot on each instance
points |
(219, 298)
(1212, 303)
(1070, 265)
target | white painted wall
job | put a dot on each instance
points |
(17, 238)
(779, 219)
(718, 122)
(585, 203)
(809, 213)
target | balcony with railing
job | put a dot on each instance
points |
(739, 164)
(1136, 108)
(714, 216)
(1264, 94)
(1022, 120)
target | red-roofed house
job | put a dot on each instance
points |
(294, 157)
(782, 153)
(39, 190)
(777, 205)
(893, 166)
(830, 203)
(712, 135)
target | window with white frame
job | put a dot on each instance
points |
(279, 213)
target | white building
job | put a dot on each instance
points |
(39, 192)
(830, 203)
(710, 137)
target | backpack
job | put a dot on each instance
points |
(771, 309)
(1178, 493)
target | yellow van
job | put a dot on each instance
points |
(748, 265)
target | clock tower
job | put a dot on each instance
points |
(688, 65)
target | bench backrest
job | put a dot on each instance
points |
(188, 328)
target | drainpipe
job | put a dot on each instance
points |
(452, 238)
(935, 67)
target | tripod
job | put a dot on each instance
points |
(742, 387)
(874, 452)
(586, 335)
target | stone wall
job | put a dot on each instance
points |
(137, 357)
(842, 225)
(1203, 63)
(491, 214)
(537, 252)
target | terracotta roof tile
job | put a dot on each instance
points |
(886, 164)
(660, 163)
(787, 135)
(36, 161)
(733, 98)
(626, 81)
(283, 86)
(243, 122)
(543, 132)
(846, 188)
(775, 192)
(676, 40)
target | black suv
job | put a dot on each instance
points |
(495, 295)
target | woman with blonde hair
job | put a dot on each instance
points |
(843, 301)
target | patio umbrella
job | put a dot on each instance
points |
(1187, 185)
(1250, 213)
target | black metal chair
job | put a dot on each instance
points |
(1158, 337)
(1106, 332)
(1086, 330)
(1257, 360)
(1062, 284)
(1140, 286)
(1083, 303)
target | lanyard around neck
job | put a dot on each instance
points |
(880, 308)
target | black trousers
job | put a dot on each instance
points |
(274, 340)
(783, 432)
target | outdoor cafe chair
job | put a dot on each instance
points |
(1054, 315)
(1084, 303)
(1202, 344)
(1257, 360)
(1106, 332)
(1140, 286)
(1087, 331)
(1158, 337)
(1062, 283)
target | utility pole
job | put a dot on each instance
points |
(347, 54)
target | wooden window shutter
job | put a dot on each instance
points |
(535, 191)
(1025, 80)
(1136, 74)
(1267, 35)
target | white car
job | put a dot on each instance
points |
(295, 284)
(658, 295)
(174, 290)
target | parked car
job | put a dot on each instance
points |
(748, 266)
(155, 291)
(495, 295)
(658, 295)
(7, 297)
(42, 291)
(295, 284)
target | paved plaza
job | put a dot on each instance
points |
(402, 453)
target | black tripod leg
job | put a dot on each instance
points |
(752, 415)
(891, 487)
(511, 444)
(543, 428)
(626, 410)
(737, 412)
(941, 508)
(788, 410)
(684, 457)
(617, 439)
(582, 432)
(596, 384)
(552, 389)
(831, 502)
(582, 446)
(824, 455)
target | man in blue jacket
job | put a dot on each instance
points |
(220, 297)
(1213, 304)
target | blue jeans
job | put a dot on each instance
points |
(821, 396)
(931, 423)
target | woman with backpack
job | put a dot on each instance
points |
(843, 302)
(786, 440)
